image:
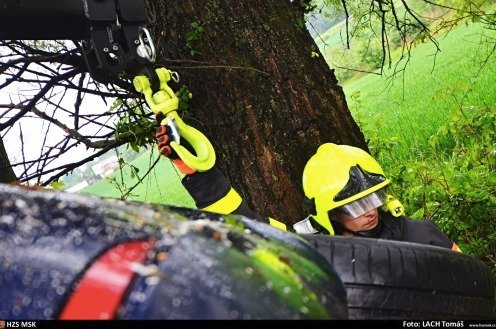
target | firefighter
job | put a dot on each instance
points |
(345, 189)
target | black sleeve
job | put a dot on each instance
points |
(210, 186)
(244, 210)
(206, 187)
(425, 232)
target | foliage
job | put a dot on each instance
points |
(184, 95)
(372, 30)
(456, 184)
(57, 185)
(133, 121)
(404, 112)
(369, 53)
(433, 132)
(453, 183)
(194, 38)
(378, 33)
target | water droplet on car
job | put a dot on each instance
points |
(176, 302)
(7, 219)
(60, 290)
(21, 204)
(48, 312)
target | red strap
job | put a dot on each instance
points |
(183, 167)
(99, 292)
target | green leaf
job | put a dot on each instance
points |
(191, 36)
(135, 147)
(57, 185)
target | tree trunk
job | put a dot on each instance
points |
(7, 175)
(260, 96)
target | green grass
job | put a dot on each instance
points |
(410, 106)
(162, 185)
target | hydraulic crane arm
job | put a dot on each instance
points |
(43, 20)
(112, 33)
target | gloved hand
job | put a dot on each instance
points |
(163, 139)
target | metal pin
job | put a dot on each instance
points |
(175, 76)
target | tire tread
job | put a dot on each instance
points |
(390, 279)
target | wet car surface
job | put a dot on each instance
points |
(67, 256)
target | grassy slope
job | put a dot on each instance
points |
(162, 185)
(411, 107)
(335, 36)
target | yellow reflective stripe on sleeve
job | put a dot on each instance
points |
(227, 204)
(277, 224)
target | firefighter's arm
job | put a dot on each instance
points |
(213, 193)
(210, 189)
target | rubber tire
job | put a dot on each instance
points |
(387, 279)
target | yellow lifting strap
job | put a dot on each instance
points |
(166, 102)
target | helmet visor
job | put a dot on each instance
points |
(359, 207)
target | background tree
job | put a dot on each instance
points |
(254, 79)
(7, 175)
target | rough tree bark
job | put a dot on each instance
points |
(7, 175)
(258, 94)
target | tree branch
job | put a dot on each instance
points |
(140, 180)
(37, 97)
(343, 3)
